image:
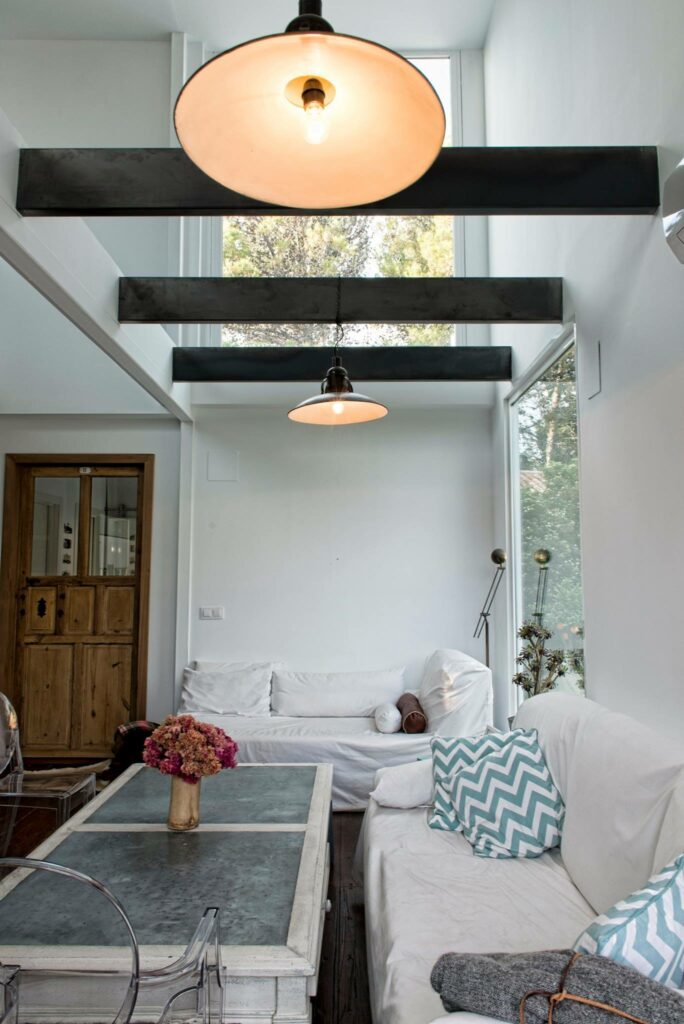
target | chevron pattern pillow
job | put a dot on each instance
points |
(646, 930)
(508, 803)
(448, 755)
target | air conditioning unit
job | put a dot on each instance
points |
(673, 211)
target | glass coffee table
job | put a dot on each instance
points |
(260, 854)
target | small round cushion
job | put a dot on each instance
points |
(413, 718)
(387, 718)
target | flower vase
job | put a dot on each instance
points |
(183, 805)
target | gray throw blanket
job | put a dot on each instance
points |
(494, 985)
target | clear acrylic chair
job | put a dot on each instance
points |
(61, 793)
(192, 972)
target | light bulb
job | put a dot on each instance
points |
(338, 408)
(313, 98)
(316, 128)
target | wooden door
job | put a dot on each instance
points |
(73, 607)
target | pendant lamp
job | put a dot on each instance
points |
(310, 118)
(338, 404)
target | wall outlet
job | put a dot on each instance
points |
(212, 612)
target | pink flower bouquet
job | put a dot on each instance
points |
(189, 749)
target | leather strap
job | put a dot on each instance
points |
(562, 995)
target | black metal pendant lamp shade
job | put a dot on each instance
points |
(310, 118)
(338, 404)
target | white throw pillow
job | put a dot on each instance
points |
(456, 694)
(387, 717)
(405, 785)
(334, 694)
(232, 666)
(239, 692)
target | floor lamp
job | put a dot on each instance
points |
(542, 557)
(498, 557)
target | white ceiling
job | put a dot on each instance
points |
(408, 25)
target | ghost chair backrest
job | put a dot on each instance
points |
(10, 749)
(131, 978)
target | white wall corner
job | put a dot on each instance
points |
(67, 264)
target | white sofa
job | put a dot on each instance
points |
(427, 894)
(338, 728)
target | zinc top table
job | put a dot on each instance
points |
(260, 853)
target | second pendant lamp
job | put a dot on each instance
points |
(311, 119)
(338, 404)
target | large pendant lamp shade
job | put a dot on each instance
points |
(338, 404)
(311, 119)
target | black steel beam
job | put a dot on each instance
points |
(165, 182)
(405, 363)
(218, 300)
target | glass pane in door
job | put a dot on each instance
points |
(54, 541)
(113, 525)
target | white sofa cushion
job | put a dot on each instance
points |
(452, 902)
(617, 778)
(387, 717)
(406, 785)
(334, 694)
(456, 694)
(232, 666)
(244, 691)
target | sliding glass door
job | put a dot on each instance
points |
(546, 510)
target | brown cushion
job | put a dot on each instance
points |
(413, 718)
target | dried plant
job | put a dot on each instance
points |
(538, 669)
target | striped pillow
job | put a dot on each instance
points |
(508, 803)
(448, 755)
(646, 930)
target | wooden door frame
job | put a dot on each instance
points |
(10, 559)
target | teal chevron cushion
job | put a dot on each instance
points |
(646, 930)
(450, 754)
(508, 803)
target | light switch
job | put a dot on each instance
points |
(214, 612)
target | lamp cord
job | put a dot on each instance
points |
(339, 328)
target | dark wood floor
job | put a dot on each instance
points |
(343, 983)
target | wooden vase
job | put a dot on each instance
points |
(184, 805)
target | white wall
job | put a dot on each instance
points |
(102, 93)
(358, 548)
(103, 434)
(49, 366)
(609, 72)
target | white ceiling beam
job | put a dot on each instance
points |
(67, 264)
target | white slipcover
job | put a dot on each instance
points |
(334, 694)
(427, 894)
(353, 746)
(243, 691)
(617, 778)
(456, 694)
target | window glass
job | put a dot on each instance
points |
(54, 540)
(319, 246)
(113, 526)
(549, 555)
